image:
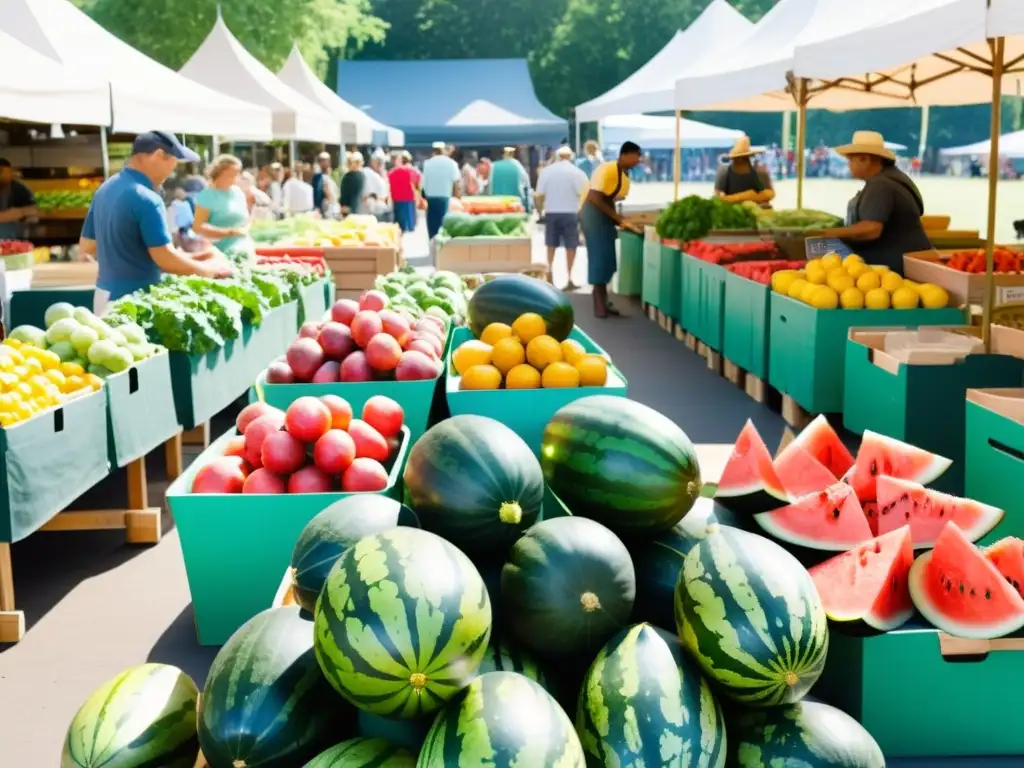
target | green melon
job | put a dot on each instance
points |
(402, 623)
(749, 614)
(363, 753)
(502, 719)
(505, 298)
(804, 734)
(644, 703)
(621, 463)
(568, 585)
(402, 732)
(505, 657)
(265, 703)
(334, 530)
(144, 716)
(474, 482)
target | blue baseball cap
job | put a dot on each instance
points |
(150, 142)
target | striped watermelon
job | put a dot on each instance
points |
(502, 719)
(144, 716)
(645, 703)
(407, 733)
(363, 753)
(265, 704)
(505, 298)
(402, 623)
(505, 657)
(621, 463)
(749, 614)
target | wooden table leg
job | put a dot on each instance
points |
(198, 436)
(141, 521)
(12, 622)
(172, 457)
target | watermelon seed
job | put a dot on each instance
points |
(590, 602)
(835, 513)
(418, 681)
(972, 591)
(510, 512)
(878, 548)
(874, 468)
(988, 594)
(949, 585)
(961, 587)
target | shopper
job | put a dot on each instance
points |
(591, 158)
(17, 203)
(260, 206)
(127, 226)
(181, 217)
(376, 190)
(560, 191)
(599, 218)
(441, 179)
(275, 172)
(222, 210)
(353, 186)
(509, 178)
(325, 194)
(404, 181)
(297, 192)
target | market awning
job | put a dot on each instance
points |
(1011, 145)
(652, 132)
(475, 102)
(652, 87)
(222, 63)
(357, 127)
(145, 95)
(37, 89)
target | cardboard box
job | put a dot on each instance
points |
(994, 455)
(485, 254)
(963, 287)
(64, 273)
(355, 268)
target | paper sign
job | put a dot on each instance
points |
(816, 247)
(1009, 295)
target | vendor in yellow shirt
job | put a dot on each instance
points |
(599, 219)
(741, 179)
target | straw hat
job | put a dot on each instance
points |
(867, 143)
(564, 151)
(438, 145)
(742, 148)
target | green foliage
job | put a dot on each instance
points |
(689, 218)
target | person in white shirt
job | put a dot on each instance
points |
(297, 192)
(560, 191)
(376, 190)
(441, 179)
(276, 188)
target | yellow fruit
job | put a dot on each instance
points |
(892, 282)
(494, 333)
(481, 377)
(593, 370)
(876, 298)
(855, 269)
(33, 365)
(24, 389)
(75, 383)
(56, 378)
(905, 298)
(880, 268)
(808, 292)
(796, 289)
(94, 381)
(528, 327)
(839, 281)
(12, 343)
(6, 363)
(543, 351)
(7, 381)
(7, 419)
(560, 375)
(72, 369)
(852, 298)
(824, 298)
(816, 274)
(813, 264)
(782, 279)
(572, 351)
(471, 353)
(933, 296)
(507, 354)
(869, 281)
(523, 377)
(21, 372)
(831, 260)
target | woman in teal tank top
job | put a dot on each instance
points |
(222, 211)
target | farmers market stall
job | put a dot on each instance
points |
(497, 242)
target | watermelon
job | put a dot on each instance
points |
(824, 445)
(1007, 555)
(621, 463)
(749, 614)
(505, 657)
(502, 719)
(266, 704)
(749, 483)
(505, 298)
(567, 586)
(881, 455)
(800, 473)
(869, 584)
(146, 715)
(644, 703)
(902, 502)
(831, 519)
(363, 753)
(334, 530)
(474, 482)
(961, 592)
(808, 734)
(401, 732)
(402, 623)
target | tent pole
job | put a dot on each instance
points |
(801, 141)
(104, 152)
(677, 157)
(786, 130)
(998, 47)
(923, 144)
(577, 137)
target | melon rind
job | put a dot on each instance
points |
(768, 522)
(988, 516)
(763, 490)
(927, 473)
(820, 424)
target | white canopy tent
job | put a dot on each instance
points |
(652, 132)
(222, 63)
(37, 89)
(1011, 145)
(143, 95)
(651, 88)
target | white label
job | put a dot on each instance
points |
(1009, 295)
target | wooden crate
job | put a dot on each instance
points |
(485, 254)
(355, 268)
(963, 287)
(57, 274)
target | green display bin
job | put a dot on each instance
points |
(235, 548)
(650, 292)
(711, 307)
(140, 409)
(631, 264)
(807, 346)
(668, 284)
(745, 324)
(994, 455)
(48, 461)
(920, 699)
(526, 411)
(29, 307)
(312, 301)
(689, 292)
(900, 400)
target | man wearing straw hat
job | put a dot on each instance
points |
(740, 180)
(883, 220)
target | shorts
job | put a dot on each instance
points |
(561, 229)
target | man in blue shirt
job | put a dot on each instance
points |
(441, 178)
(126, 228)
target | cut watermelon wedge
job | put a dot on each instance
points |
(1007, 555)
(830, 520)
(958, 590)
(869, 583)
(749, 483)
(903, 502)
(800, 473)
(881, 455)
(821, 441)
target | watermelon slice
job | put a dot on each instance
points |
(1007, 555)
(831, 520)
(881, 455)
(961, 592)
(749, 483)
(903, 502)
(800, 473)
(821, 441)
(869, 583)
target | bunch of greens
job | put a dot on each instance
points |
(798, 218)
(726, 215)
(690, 218)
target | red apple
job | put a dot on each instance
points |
(375, 300)
(384, 414)
(283, 453)
(355, 368)
(369, 442)
(341, 411)
(257, 432)
(310, 479)
(416, 366)
(383, 352)
(365, 325)
(225, 474)
(344, 310)
(336, 340)
(364, 475)
(305, 358)
(279, 372)
(334, 452)
(263, 481)
(309, 330)
(307, 419)
(250, 413)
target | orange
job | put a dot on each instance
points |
(481, 377)
(507, 354)
(494, 333)
(542, 351)
(471, 353)
(560, 375)
(529, 326)
(94, 381)
(593, 370)
(572, 351)
(72, 369)
(523, 377)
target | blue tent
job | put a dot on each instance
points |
(484, 102)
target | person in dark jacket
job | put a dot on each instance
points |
(352, 185)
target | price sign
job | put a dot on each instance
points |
(1009, 295)
(816, 247)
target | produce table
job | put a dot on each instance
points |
(140, 409)
(650, 291)
(746, 315)
(702, 286)
(29, 307)
(314, 300)
(484, 254)
(669, 292)
(631, 264)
